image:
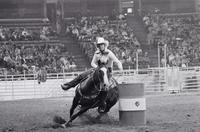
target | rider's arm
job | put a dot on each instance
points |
(94, 61)
(116, 60)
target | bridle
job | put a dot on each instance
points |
(95, 85)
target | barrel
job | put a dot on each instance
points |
(132, 104)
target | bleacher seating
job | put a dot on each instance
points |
(121, 37)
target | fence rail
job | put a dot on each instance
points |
(156, 81)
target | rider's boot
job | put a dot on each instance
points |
(76, 80)
(72, 83)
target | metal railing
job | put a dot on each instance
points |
(156, 81)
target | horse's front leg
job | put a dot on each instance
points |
(74, 104)
(82, 110)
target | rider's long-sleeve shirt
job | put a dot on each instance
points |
(108, 57)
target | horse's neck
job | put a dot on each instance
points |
(88, 86)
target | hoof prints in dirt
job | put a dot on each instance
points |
(55, 126)
(58, 120)
(84, 119)
(104, 119)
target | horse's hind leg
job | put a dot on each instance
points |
(112, 99)
(109, 106)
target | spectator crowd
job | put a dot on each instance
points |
(25, 34)
(31, 58)
(180, 33)
(17, 58)
(122, 40)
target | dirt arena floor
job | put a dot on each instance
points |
(166, 113)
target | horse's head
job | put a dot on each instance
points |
(102, 75)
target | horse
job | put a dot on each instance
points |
(89, 92)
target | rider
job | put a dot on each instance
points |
(101, 55)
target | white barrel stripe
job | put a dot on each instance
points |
(134, 104)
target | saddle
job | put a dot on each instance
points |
(112, 85)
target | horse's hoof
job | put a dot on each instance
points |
(68, 124)
(63, 126)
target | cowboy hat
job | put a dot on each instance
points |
(101, 40)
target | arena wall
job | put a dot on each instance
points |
(156, 81)
(29, 89)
